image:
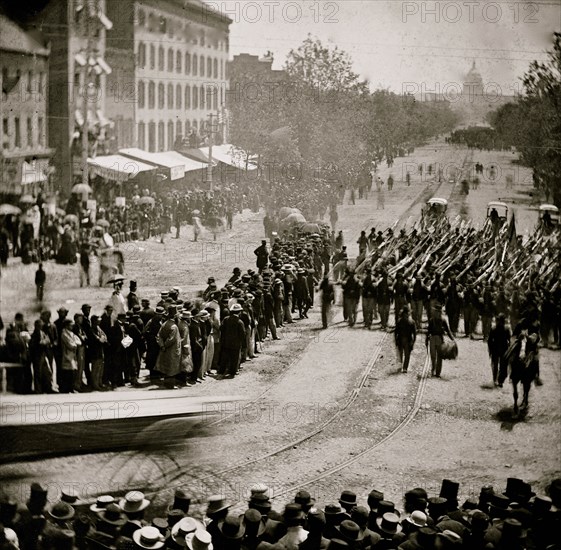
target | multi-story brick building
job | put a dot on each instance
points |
(169, 70)
(24, 153)
(77, 73)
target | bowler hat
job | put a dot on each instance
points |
(359, 514)
(252, 521)
(304, 499)
(348, 498)
(333, 510)
(350, 531)
(374, 497)
(385, 507)
(61, 511)
(293, 513)
(417, 518)
(512, 530)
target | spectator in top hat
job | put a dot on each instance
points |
(315, 526)
(294, 518)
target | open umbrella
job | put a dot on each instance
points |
(7, 209)
(294, 219)
(81, 188)
(310, 228)
(146, 200)
(196, 213)
(27, 199)
(102, 223)
(285, 211)
(115, 279)
(71, 218)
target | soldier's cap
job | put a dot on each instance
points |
(164, 293)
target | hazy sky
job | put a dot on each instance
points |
(409, 43)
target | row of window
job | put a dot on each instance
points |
(178, 62)
(152, 138)
(31, 82)
(18, 132)
(196, 97)
(174, 28)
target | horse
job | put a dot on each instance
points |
(522, 358)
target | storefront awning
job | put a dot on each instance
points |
(34, 171)
(176, 168)
(117, 167)
(190, 164)
(230, 155)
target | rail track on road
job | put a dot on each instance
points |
(172, 474)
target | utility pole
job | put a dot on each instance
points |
(88, 69)
(209, 168)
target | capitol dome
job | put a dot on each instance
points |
(473, 83)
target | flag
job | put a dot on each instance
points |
(511, 235)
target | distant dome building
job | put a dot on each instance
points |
(473, 83)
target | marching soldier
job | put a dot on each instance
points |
(438, 326)
(405, 336)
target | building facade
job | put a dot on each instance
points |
(169, 59)
(76, 30)
(25, 153)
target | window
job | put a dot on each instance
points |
(215, 99)
(209, 94)
(187, 127)
(151, 23)
(221, 96)
(42, 83)
(5, 134)
(202, 126)
(170, 60)
(161, 65)
(161, 136)
(202, 39)
(215, 68)
(178, 61)
(187, 63)
(170, 96)
(18, 132)
(41, 131)
(202, 97)
(195, 64)
(29, 81)
(141, 95)
(163, 25)
(195, 97)
(209, 67)
(178, 129)
(152, 137)
(187, 97)
(202, 66)
(141, 18)
(170, 135)
(141, 136)
(195, 126)
(178, 96)
(142, 55)
(152, 56)
(29, 132)
(221, 69)
(161, 96)
(151, 95)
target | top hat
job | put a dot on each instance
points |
(384, 507)
(148, 537)
(113, 515)
(554, 492)
(426, 537)
(101, 503)
(162, 525)
(38, 495)
(304, 499)
(175, 516)
(181, 501)
(199, 540)
(61, 511)
(518, 490)
(293, 513)
(316, 519)
(479, 521)
(449, 491)
(374, 497)
(512, 530)
(389, 524)
(231, 528)
(541, 505)
(438, 506)
(172, 310)
(134, 501)
(216, 504)
(347, 499)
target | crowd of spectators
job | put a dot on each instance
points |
(514, 519)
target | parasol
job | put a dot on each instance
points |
(146, 200)
(294, 219)
(27, 199)
(9, 209)
(81, 188)
(102, 223)
(115, 279)
(71, 218)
